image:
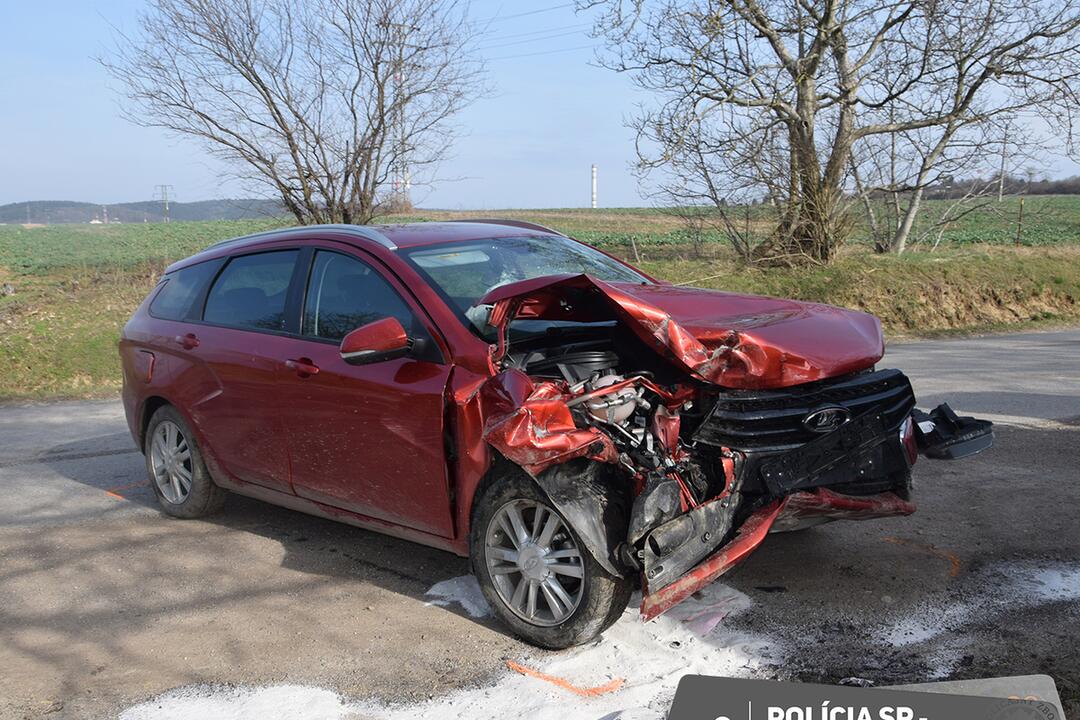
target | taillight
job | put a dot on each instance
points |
(907, 439)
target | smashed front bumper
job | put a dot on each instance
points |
(800, 485)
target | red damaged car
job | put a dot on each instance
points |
(506, 393)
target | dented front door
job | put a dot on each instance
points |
(366, 438)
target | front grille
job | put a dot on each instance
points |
(773, 419)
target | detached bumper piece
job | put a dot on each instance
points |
(941, 434)
(746, 540)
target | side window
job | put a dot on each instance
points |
(173, 302)
(251, 291)
(344, 293)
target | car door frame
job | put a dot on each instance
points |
(294, 304)
(219, 454)
(437, 353)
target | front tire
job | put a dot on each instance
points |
(175, 465)
(535, 572)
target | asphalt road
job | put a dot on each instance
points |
(105, 602)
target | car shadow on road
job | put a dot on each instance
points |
(106, 600)
(311, 545)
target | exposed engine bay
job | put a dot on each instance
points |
(674, 452)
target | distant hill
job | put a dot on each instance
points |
(53, 212)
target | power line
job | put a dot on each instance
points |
(543, 52)
(580, 26)
(501, 18)
(530, 40)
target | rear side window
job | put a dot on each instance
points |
(251, 291)
(182, 288)
(345, 293)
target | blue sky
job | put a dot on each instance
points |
(552, 114)
(528, 145)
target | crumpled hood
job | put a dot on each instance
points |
(732, 340)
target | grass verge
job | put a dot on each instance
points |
(75, 286)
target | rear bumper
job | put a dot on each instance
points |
(131, 411)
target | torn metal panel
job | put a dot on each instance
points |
(813, 507)
(531, 425)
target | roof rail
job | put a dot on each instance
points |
(511, 223)
(364, 230)
(367, 231)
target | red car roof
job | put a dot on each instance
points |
(428, 233)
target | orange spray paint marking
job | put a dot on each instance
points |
(115, 492)
(565, 684)
(954, 561)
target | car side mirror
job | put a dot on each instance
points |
(377, 341)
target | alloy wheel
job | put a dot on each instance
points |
(170, 462)
(534, 562)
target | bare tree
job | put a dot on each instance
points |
(702, 187)
(336, 107)
(822, 77)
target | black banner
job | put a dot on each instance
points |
(711, 698)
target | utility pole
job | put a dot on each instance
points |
(163, 193)
(1020, 222)
(402, 180)
(594, 186)
(1004, 157)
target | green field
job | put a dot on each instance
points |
(1049, 220)
(75, 285)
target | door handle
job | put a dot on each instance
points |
(303, 367)
(188, 342)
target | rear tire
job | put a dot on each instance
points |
(176, 469)
(535, 572)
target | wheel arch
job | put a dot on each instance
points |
(149, 406)
(591, 496)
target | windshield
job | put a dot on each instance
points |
(463, 272)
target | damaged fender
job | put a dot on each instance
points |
(593, 499)
(531, 425)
